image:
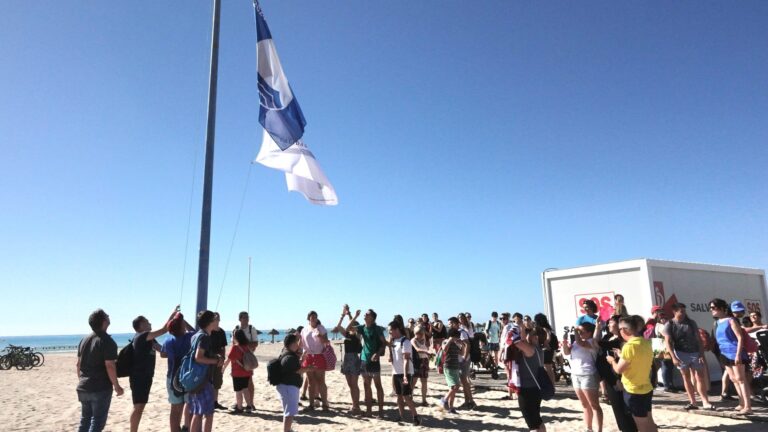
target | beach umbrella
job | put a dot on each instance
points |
(273, 333)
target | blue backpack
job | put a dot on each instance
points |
(191, 374)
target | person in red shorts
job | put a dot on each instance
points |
(314, 337)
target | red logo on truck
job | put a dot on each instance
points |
(604, 302)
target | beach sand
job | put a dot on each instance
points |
(44, 399)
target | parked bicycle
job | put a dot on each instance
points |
(21, 358)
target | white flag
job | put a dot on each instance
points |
(302, 172)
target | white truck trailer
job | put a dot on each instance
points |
(647, 282)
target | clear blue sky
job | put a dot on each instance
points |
(472, 145)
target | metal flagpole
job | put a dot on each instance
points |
(205, 225)
(249, 285)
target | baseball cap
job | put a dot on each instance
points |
(737, 306)
(656, 309)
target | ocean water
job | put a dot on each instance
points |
(64, 343)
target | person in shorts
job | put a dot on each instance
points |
(351, 365)
(584, 352)
(452, 348)
(290, 379)
(402, 372)
(465, 362)
(253, 342)
(240, 375)
(314, 338)
(681, 336)
(175, 346)
(202, 401)
(144, 347)
(634, 365)
(420, 343)
(493, 333)
(374, 346)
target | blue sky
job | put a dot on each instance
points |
(472, 145)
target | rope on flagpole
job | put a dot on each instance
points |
(189, 223)
(234, 235)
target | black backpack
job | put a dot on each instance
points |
(125, 360)
(554, 344)
(275, 371)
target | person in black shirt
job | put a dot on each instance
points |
(610, 345)
(201, 402)
(96, 373)
(291, 380)
(143, 370)
(352, 364)
(218, 347)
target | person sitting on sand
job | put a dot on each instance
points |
(314, 338)
(402, 372)
(350, 367)
(634, 365)
(176, 345)
(143, 370)
(96, 373)
(240, 375)
(453, 349)
(202, 402)
(290, 379)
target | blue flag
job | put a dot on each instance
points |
(279, 113)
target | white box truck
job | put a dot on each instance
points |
(648, 282)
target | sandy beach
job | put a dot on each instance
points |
(44, 399)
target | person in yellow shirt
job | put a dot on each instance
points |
(634, 365)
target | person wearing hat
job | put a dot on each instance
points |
(730, 339)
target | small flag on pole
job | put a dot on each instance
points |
(302, 172)
(280, 113)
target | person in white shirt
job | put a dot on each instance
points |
(402, 371)
(584, 376)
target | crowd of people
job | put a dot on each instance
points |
(615, 360)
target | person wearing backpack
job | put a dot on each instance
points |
(143, 369)
(253, 342)
(288, 380)
(402, 371)
(241, 374)
(202, 401)
(177, 343)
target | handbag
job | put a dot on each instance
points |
(250, 362)
(330, 358)
(546, 388)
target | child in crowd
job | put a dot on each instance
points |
(402, 371)
(240, 375)
(453, 349)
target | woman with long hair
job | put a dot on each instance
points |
(586, 382)
(733, 354)
(351, 365)
(314, 338)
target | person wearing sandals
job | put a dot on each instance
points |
(584, 376)
(374, 346)
(314, 338)
(240, 375)
(351, 365)
(421, 343)
(402, 371)
(531, 358)
(681, 336)
(634, 365)
(733, 355)
(452, 348)
(290, 379)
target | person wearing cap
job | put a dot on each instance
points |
(730, 339)
(681, 337)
